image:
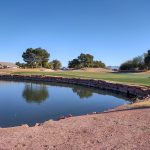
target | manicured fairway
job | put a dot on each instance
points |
(129, 78)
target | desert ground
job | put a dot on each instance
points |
(122, 128)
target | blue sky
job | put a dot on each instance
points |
(112, 30)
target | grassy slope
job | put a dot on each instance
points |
(143, 104)
(129, 78)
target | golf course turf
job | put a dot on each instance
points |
(127, 78)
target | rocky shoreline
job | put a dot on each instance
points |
(140, 92)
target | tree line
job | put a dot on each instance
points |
(137, 63)
(39, 57)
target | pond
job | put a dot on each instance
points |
(31, 103)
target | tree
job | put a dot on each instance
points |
(35, 57)
(18, 64)
(147, 59)
(137, 63)
(21, 65)
(46, 65)
(74, 64)
(98, 64)
(50, 65)
(128, 65)
(56, 64)
(86, 60)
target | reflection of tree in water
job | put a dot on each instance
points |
(35, 93)
(82, 92)
(90, 91)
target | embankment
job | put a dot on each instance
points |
(138, 91)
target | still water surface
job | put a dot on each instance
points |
(31, 103)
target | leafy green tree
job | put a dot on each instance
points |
(98, 64)
(35, 57)
(137, 63)
(21, 65)
(128, 65)
(46, 65)
(56, 64)
(147, 59)
(18, 64)
(50, 65)
(74, 64)
(86, 60)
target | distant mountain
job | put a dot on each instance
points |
(113, 67)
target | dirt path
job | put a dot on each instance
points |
(127, 129)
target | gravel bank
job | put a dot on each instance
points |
(122, 129)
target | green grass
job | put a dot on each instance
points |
(128, 78)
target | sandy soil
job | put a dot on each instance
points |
(93, 70)
(120, 129)
(9, 71)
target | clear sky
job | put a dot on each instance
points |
(111, 30)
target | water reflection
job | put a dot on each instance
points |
(82, 92)
(87, 92)
(21, 105)
(35, 93)
(38, 93)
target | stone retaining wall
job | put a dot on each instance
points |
(139, 91)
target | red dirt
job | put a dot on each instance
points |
(124, 130)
